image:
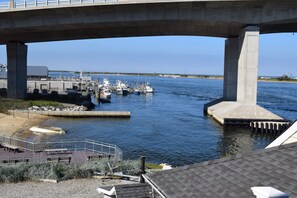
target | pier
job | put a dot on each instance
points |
(271, 127)
(16, 150)
(77, 114)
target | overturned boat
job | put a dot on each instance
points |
(44, 129)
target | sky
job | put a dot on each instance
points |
(162, 54)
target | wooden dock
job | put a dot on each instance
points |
(75, 157)
(15, 149)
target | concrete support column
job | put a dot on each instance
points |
(231, 69)
(16, 70)
(248, 66)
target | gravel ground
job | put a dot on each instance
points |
(77, 188)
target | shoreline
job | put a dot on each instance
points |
(162, 75)
(18, 124)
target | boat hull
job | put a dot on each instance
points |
(45, 130)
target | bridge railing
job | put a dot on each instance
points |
(21, 4)
(4, 5)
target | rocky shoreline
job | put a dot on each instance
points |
(51, 108)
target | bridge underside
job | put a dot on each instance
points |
(239, 21)
(199, 18)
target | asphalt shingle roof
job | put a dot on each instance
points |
(140, 190)
(232, 176)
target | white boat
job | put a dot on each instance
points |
(106, 83)
(43, 129)
(105, 95)
(148, 88)
(121, 88)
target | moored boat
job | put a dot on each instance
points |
(121, 88)
(148, 88)
(105, 95)
(137, 91)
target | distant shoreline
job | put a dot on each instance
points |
(200, 76)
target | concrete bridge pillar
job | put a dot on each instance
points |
(231, 69)
(16, 70)
(238, 104)
(248, 66)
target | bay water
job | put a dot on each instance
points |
(169, 126)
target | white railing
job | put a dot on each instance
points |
(21, 4)
(4, 6)
(102, 148)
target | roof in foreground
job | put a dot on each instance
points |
(138, 190)
(232, 176)
(289, 136)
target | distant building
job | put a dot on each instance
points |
(3, 71)
(32, 72)
(37, 72)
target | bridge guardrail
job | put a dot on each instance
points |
(21, 4)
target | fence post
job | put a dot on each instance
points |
(142, 169)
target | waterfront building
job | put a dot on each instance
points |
(3, 71)
(37, 72)
(33, 72)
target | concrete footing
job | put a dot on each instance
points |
(228, 112)
(238, 106)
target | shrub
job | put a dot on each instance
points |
(22, 171)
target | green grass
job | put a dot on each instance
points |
(10, 104)
(152, 166)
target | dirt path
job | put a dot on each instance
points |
(77, 188)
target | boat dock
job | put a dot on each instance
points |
(103, 114)
(15, 150)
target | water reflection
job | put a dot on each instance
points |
(236, 140)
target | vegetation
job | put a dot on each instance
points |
(10, 104)
(34, 172)
(153, 166)
(285, 78)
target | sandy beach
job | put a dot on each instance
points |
(76, 188)
(19, 124)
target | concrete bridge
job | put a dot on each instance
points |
(239, 21)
